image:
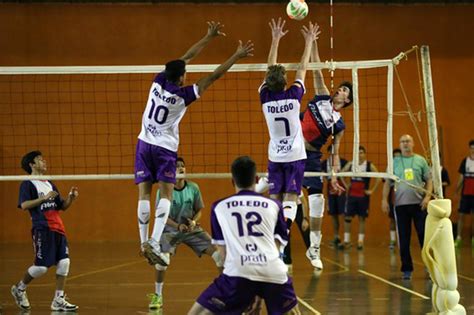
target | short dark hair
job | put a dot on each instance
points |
(471, 143)
(28, 159)
(174, 70)
(348, 85)
(180, 159)
(362, 148)
(275, 78)
(244, 171)
(397, 150)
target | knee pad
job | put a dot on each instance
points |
(37, 271)
(289, 210)
(316, 205)
(262, 185)
(143, 211)
(160, 267)
(62, 268)
(218, 259)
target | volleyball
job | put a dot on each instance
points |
(297, 9)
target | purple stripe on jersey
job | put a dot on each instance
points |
(187, 92)
(216, 230)
(294, 92)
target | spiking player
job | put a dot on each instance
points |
(320, 121)
(158, 140)
(248, 230)
(286, 152)
(42, 199)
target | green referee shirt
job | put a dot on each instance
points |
(187, 201)
(415, 170)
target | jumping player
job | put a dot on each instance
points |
(158, 140)
(320, 121)
(281, 107)
(248, 230)
(42, 199)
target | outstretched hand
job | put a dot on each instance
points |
(215, 29)
(277, 28)
(310, 32)
(73, 193)
(244, 50)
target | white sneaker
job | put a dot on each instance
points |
(21, 299)
(314, 256)
(60, 304)
(152, 252)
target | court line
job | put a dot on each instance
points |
(393, 284)
(459, 275)
(309, 307)
(336, 263)
(105, 269)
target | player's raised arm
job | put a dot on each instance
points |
(243, 50)
(310, 34)
(214, 30)
(319, 85)
(277, 34)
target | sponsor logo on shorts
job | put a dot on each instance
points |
(39, 253)
(140, 174)
(67, 250)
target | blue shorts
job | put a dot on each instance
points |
(285, 177)
(50, 247)
(313, 164)
(337, 204)
(466, 205)
(233, 295)
(357, 206)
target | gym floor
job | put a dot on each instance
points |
(111, 278)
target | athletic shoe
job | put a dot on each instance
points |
(406, 275)
(156, 301)
(61, 304)
(21, 299)
(314, 256)
(392, 245)
(151, 251)
(458, 242)
(345, 245)
(360, 245)
(335, 243)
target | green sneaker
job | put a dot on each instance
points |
(156, 301)
(458, 243)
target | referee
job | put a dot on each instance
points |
(410, 204)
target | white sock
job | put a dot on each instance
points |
(347, 237)
(143, 212)
(161, 216)
(159, 288)
(58, 293)
(21, 286)
(393, 236)
(361, 237)
(315, 238)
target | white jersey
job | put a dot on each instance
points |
(282, 114)
(166, 106)
(248, 224)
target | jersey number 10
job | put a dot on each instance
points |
(160, 114)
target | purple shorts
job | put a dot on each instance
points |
(154, 164)
(285, 177)
(233, 295)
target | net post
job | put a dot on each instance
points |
(355, 94)
(431, 119)
(390, 119)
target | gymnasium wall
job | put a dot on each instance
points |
(142, 34)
